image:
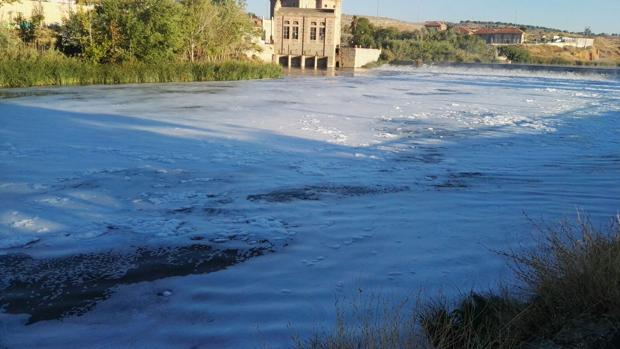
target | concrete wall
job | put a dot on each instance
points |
(574, 42)
(353, 57)
(54, 11)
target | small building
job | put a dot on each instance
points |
(435, 26)
(501, 36)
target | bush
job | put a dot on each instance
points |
(516, 54)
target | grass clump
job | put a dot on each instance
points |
(567, 296)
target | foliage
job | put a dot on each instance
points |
(75, 35)
(27, 67)
(420, 45)
(516, 54)
(30, 29)
(157, 30)
(215, 29)
(135, 30)
(8, 39)
(362, 33)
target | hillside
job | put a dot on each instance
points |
(384, 22)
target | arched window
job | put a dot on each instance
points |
(313, 31)
(295, 35)
(322, 31)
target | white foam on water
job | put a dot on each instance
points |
(397, 181)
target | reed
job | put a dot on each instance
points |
(29, 69)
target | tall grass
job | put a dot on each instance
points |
(27, 69)
(568, 296)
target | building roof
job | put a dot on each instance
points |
(306, 11)
(491, 31)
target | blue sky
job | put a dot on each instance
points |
(574, 15)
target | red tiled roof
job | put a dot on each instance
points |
(499, 31)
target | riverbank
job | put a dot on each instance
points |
(57, 70)
(567, 297)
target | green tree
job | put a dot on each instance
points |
(75, 35)
(141, 30)
(216, 29)
(362, 32)
(30, 29)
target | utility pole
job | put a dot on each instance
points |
(378, 5)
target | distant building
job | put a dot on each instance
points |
(436, 26)
(501, 36)
(562, 41)
(53, 10)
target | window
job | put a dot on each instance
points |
(322, 33)
(295, 35)
(286, 33)
(313, 33)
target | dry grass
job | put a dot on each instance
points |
(369, 323)
(568, 296)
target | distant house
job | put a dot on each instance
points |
(464, 31)
(436, 26)
(501, 36)
(53, 10)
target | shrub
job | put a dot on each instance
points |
(570, 296)
(516, 54)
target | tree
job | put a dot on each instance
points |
(216, 29)
(30, 29)
(126, 30)
(362, 32)
(587, 32)
(75, 35)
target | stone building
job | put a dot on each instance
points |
(306, 33)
